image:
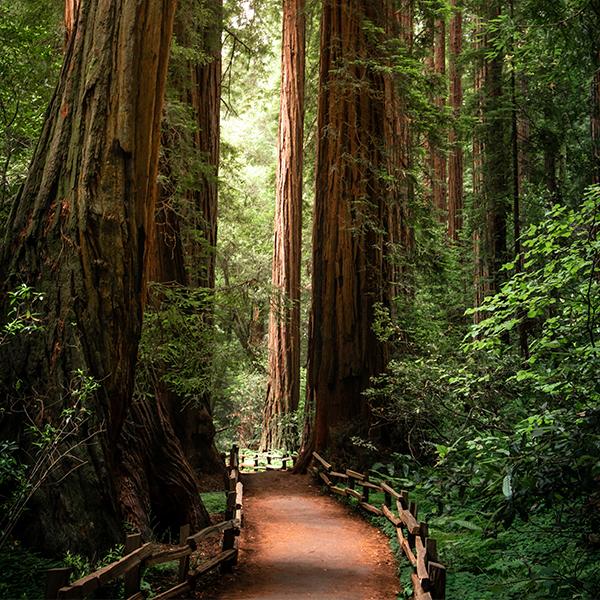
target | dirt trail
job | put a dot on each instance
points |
(297, 544)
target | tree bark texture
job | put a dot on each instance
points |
(205, 99)
(199, 86)
(70, 18)
(78, 233)
(352, 213)
(157, 485)
(455, 159)
(283, 391)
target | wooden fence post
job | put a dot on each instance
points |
(365, 494)
(229, 534)
(55, 579)
(437, 577)
(133, 578)
(233, 457)
(184, 562)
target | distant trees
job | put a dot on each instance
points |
(283, 390)
(78, 234)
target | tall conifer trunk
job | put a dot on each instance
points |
(496, 163)
(438, 158)
(201, 89)
(595, 118)
(205, 99)
(78, 233)
(283, 391)
(455, 160)
(352, 215)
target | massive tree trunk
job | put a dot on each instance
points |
(283, 391)
(455, 160)
(350, 237)
(77, 233)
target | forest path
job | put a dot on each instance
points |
(297, 544)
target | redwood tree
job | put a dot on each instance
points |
(283, 391)
(198, 86)
(351, 220)
(438, 158)
(455, 159)
(78, 234)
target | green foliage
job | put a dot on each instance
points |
(23, 316)
(559, 298)
(214, 502)
(22, 572)
(30, 38)
(507, 448)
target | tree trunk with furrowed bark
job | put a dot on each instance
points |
(284, 320)
(351, 237)
(168, 442)
(78, 234)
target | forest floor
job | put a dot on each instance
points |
(297, 543)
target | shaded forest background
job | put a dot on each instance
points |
(469, 368)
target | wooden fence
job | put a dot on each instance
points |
(429, 576)
(139, 556)
(266, 460)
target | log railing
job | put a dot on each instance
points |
(257, 461)
(139, 556)
(429, 576)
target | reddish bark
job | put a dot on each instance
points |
(205, 98)
(70, 18)
(352, 213)
(78, 233)
(284, 319)
(438, 158)
(455, 160)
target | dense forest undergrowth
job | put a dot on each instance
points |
(368, 228)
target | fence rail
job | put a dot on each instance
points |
(266, 460)
(429, 576)
(139, 556)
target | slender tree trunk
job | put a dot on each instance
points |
(438, 157)
(205, 99)
(496, 165)
(455, 161)
(480, 270)
(595, 119)
(516, 184)
(352, 206)
(284, 319)
(78, 233)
